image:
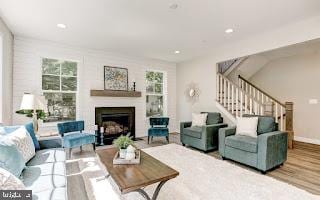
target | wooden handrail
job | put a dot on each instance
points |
(263, 92)
(240, 89)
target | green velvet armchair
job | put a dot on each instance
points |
(204, 138)
(265, 152)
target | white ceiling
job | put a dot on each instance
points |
(149, 27)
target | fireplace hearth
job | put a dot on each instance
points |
(115, 121)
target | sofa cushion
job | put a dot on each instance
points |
(245, 143)
(214, 118)
(194, 131)
(45, 174)
(48, 156)
(10, 157)
(266, 124)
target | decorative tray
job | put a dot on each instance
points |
(121, 161)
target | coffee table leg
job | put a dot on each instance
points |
(155, 194)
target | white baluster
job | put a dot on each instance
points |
(224, 92)
(245, 104)
(217, 87)
(220, 93)
(232, 99)
(276, 112)
(229, 95)
(237, 102)
(241, 103)
(281, 119)
(250, 105)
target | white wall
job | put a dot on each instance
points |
(27, 78)
(6, 74)
(296, 79)
(202, 70)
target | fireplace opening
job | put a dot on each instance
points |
(116, 121)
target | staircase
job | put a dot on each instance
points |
(234, 100)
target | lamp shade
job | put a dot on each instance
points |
(28, 102)
(33, 102)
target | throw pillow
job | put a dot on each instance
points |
(22, 139)
(247, 126)
(10, 157)
(30, 129)
(9, 182)
(199, 119)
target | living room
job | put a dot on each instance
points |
(135, 72)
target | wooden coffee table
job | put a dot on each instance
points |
(133, 178)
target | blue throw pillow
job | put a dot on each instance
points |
(10, 157)
(30, 129)
(9, 129)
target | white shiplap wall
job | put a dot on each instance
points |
(27, 78)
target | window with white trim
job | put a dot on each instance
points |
(155, 93)
(59, 86)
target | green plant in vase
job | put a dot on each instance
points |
(122, 143)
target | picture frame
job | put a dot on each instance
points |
(115, 78)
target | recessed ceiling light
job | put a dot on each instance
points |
(61, 26)
(176, 52)
(229, 30)
(173, 6)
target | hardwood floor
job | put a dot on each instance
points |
(302, 168)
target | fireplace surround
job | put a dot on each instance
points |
(115, 121)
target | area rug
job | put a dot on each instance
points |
(201, 177)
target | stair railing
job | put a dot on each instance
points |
(236, 100)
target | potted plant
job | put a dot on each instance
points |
(122, 143)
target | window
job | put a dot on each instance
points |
(59, 86)
(155, 90)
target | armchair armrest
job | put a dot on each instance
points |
(210, 133)
(223, 133)
(272, 149)
(184, 125)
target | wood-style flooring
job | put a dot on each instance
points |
(302, 168)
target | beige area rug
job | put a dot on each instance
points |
(202, 177)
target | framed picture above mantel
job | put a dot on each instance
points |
(115, 78)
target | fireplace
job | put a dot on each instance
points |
(115, 121)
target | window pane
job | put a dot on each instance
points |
(61, 106)
(50, 82)
(150, 87)
(69, 68)
(150, 76)
(69, 83)
(154, 105)
(50, 66)
(158, 77)
(158, 88)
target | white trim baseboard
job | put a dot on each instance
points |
(307, 140)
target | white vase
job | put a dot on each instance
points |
(122, 153)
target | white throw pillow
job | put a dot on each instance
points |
(22, 139)
(247, 126)
(9, 182)
(199, 119)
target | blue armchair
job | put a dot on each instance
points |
(159, 128)
(72, 135)
(265, 152)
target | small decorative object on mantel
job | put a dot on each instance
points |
(192, 93)
(115, 78)
(127, 154)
